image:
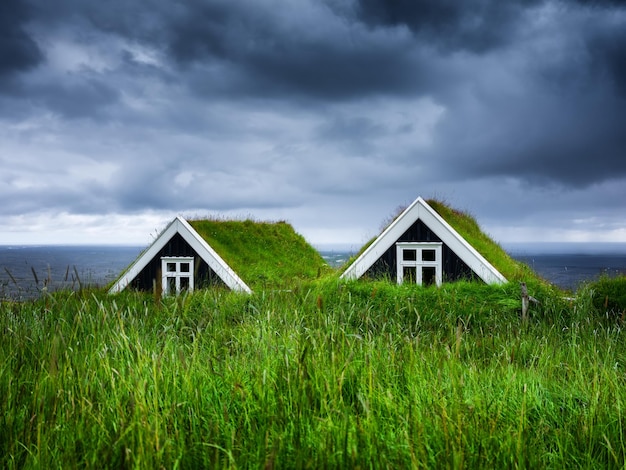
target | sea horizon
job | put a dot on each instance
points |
(564, 247)
(26, 269)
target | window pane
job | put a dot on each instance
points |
(408, 274)
(428, 255)
(171, 267)
(184, 283)
(409, 255)
(428, 275)
(171, 285)
(184, 267)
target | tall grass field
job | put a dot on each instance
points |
(327, 374)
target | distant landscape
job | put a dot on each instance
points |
(567, 265)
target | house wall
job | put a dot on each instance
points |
(453, 267)
(204, 276)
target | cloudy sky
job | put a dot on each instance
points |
(116, 116)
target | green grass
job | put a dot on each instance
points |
(469, 229)
(609, 295)
(331, 374)
(262, 253)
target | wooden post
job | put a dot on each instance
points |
(525, 301)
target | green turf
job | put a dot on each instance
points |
(328, 374)
(263, 254)
(468, 228)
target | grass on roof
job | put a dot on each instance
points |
(263, 254)
(469, 229)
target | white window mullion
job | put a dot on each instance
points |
(176, 269)
(417, 256)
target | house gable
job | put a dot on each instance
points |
(180, 239)
(420, 223)
(176, 247)
(453, 266)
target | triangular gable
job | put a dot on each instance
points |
(420, 210)
(197, 243)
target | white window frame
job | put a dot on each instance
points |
(419, 263)
(176, 274)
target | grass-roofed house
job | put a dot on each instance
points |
(239, 255)
(424, 245)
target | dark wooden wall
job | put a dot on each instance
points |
(204, 276)
(452, 266)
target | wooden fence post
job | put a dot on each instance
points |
(525, 301)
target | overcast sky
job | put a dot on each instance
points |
(116, 116)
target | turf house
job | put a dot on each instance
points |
(421, 247)
(238, 255)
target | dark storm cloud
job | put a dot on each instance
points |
(561, 119)
(73, 96)
(608, 48)
(321, 50)
(548, 141)
(600, 3)
(280, 55)
(250, 49)
(220, 104)
(18, 51)
(472, 25)
(76, 98)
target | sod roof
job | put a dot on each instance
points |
(262, 253)
(469, 229)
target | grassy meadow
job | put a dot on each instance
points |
(325, 374)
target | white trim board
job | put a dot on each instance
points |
(197, 243)
(420, 210)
